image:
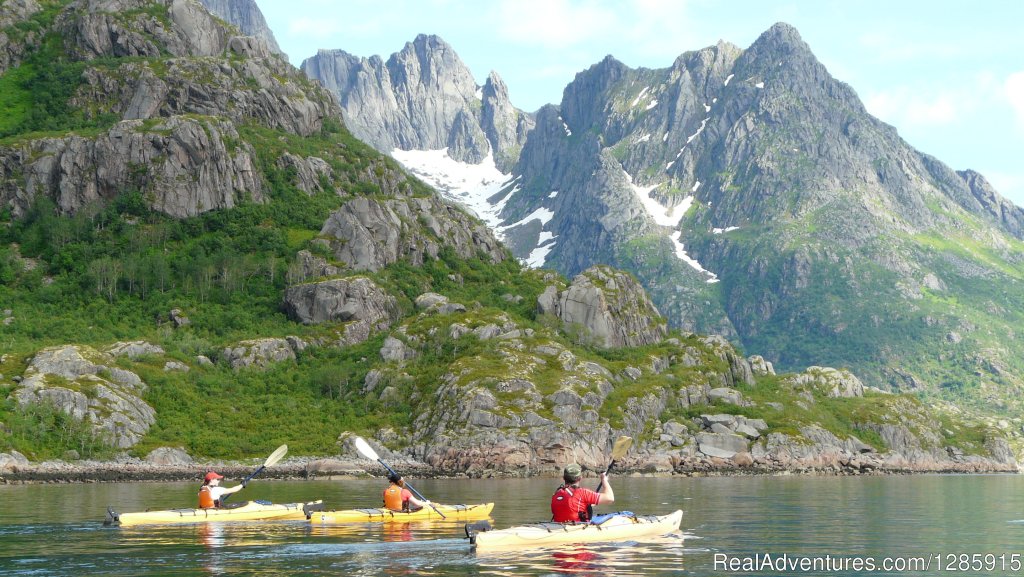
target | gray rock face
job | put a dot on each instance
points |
(310, 173)
(177, 142)
(189, 167)
(100, 29)
(423, 98)
(308, 266)
(81, 382)
(607, 307)
(357, 301)
(368, 234)
(247, 16)
(248, 84)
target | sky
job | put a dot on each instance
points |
(949, 75)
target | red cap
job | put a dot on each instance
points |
(211, 476)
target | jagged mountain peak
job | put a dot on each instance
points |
(424, 98)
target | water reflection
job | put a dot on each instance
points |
(654, 556)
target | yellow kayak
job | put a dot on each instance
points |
(249, 511)
(618, 527)
(454, 512)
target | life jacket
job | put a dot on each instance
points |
(566, 509)
(206, 498)
(393, 498)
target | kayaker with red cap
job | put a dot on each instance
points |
(211, 492)
(570, 502)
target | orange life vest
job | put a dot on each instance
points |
(206, 498)
(393, 498)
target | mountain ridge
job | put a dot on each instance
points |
(755, 184)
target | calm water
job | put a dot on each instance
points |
(57, 530)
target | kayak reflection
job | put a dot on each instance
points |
(656, 555)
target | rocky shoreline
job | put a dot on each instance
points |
(137, 470)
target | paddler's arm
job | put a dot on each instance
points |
(607, 494)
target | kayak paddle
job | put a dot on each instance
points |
(274, 457)
(367, 451)
(619, 449)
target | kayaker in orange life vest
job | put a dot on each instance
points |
(398, 498)
(211, 492)
(570, 501)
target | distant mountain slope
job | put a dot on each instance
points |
(755, 197)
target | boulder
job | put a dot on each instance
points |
(134, 349)
(721, 445)
(11, 460)
(175, 366)
(168, 456)
(428, 300)
(828, 381)
(259, 353)
(395, 350)
(357, 301)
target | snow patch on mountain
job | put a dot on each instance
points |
(681, 255)
(470, 185)
(661, 214)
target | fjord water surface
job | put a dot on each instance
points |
(729, 523)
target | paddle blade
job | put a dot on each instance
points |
(276, 456)
(620, 447)
(365, 449)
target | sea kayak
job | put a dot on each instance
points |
(452, 512)
(615, 527)
(249, 511)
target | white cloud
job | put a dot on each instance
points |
(900, 47)
(551, 23)
(652, 27)
(1013, 90)
(903, 106)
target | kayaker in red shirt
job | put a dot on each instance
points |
(398, 498)
(211, 492)
(570, 501)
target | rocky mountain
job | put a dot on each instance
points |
(194, 248)
(424, 98)
(247, 16)
(754, 197)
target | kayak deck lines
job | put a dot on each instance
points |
(248, 511)
(366, 515)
